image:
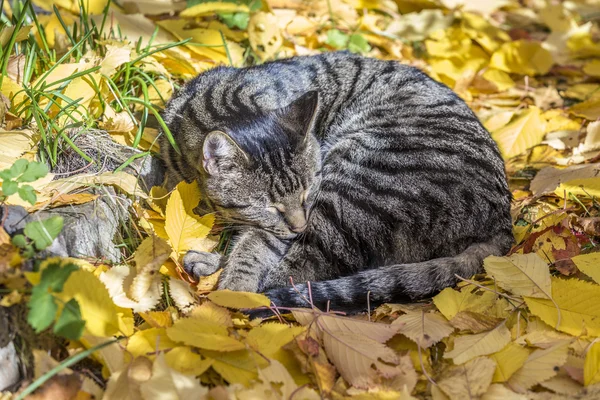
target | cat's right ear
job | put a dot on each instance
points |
(219, 147)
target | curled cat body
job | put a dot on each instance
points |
(361, 176)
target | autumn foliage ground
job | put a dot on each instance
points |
(139, 328)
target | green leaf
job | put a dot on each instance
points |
(44, 232)
(27, 193)
(235, 20)
(55, 276)
(70, 325)
(42, 308)
(358, 44)
(34, 171)
(9, 187)
(5, 175)
(19, 241)
(337, 39)
(18, 167)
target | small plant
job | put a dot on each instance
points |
(38, 235)
(43, 304)
(21, 172)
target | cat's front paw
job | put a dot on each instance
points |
(199, 263)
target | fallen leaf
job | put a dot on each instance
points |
(539, 366)
(203, 334)
(522, 133)
(589, 264)
(231, 299)
(591, 369)
(508, 361)
(425, 329)
(469, 380)
(521, 274)
(468, 347)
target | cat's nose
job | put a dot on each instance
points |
(298, 229)
(296, 221)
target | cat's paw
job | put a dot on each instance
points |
(199, 263)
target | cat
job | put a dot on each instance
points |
(361, 176)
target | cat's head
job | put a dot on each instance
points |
(266, 172)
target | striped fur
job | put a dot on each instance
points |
(399, 185)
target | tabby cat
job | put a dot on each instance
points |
(363, 177)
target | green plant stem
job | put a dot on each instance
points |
(65, 364)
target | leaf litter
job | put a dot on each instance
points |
(526, 328)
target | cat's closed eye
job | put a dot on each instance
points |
(276, 208)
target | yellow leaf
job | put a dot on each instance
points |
(508, 361)
(236, 366)
(522, 133)
(498, 120)
(589, 264)
(520, 274)
(592, 68)
(450, 302)
(148, 341)
(591, 369)
(501, 392)
(185, 360)
(468, 381)
(589, 109)
(264, 34)
(359, 359)
(425, 329)
(470, 346)
(91, 6)
(167, 383)
(14, 145)
(13, 91)
(539, 366)
(212, 7)
(522, 57)
(587, 187)
(126, 182)
(281, 381)
(158, 319)
(186, 231)
(203, 334)
(231, 299)
(268, 339)
(500, 79)
(213, 313)
(578, 302)
(211, 37)
(97, 308)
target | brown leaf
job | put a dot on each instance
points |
(469, 380)
(474, 322)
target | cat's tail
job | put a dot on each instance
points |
(393, 283)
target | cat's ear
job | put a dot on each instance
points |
(217, 148)
(302, 112)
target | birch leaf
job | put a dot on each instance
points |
(539, 366)
(425, 329)
(469, 380)
(591, 369)
(470, 346)
(204, 335)
(577, 303)
(589, 264)
(520, 274)
(508, 361)
(523, 132)
(359, 359)
(186, 231)
(231, 299)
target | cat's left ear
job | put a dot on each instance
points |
(301, 113)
